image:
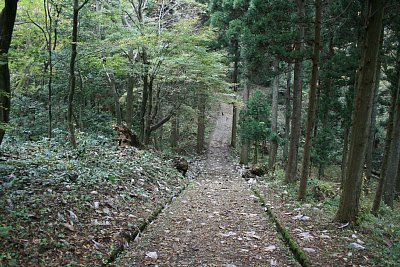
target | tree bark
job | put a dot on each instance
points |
(7, 21)
(371, 133)
(145, 96)
(129, 95)
(174, 139)
(394, 155)
(349, 199)
(287, 116)
(291, 168)
(274, 120)
(201, 119)
(388, 141)
(311, 102)
(72, 77)
(235, 80)
(345, 152)
(244, 150)
(117, 107)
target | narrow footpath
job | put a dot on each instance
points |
(217, 221)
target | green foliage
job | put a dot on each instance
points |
(254, 119)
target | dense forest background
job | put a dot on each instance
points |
(314, 86)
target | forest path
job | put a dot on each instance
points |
(217, 221)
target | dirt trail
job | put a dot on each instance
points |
(216, 222)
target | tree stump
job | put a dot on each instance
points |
(126, 137)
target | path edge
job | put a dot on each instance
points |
(297, 252)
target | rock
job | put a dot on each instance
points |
(356, 246)
(309, 250)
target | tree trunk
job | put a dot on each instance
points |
(291, 169)
(129, 94)
(287, 116)
(149, 111)
(394, 155)
(311, 102)
(72, 78)
(388, 141)
(235, 80)
(7, 20)
(371, 133)
(274, 121)
(175, 131)
(244, 150)
(129, 102)
(145, 96)
(49, 32)
(201, 119)
(349, 199)
(117, 107)
(345, 152)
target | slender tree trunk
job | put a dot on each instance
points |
(175, 131)
(72, 78)
(287, 116)
(117, 107)
(291, 169)
(311, 102)
(149, 111)
(82, 100)
(244, 150)
(129, 96)
(274, 121)
(388, 141)
(145, 96)
(235, 80)
(201, 119)
(349, 199)
(394, 155)
(7, 20)
(49, 32)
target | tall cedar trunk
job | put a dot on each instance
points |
(117, 107)
(311, 102)
(287, 115)
(7, 20)
(291, 168)
(244, 150)
(235, 79)
(327, 91)
(388, 141)
(397, 193)
(371, 133)
(72, 78)
(394, 155)
(201, 119)
(345, 153)
(349, 199)
(274, 121)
